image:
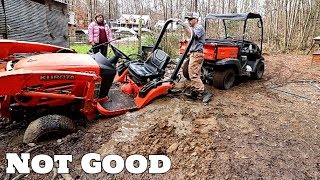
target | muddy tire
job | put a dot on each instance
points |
(224, 79)
(259, 72)
(50, 126)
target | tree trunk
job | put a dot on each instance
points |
(286, 9)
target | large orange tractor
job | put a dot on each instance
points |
(50, 86)
(233, 48)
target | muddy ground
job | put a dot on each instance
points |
(266, 129)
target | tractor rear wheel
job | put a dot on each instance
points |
(185, 69)
(224, 79)
(48, 127)
(259, 71)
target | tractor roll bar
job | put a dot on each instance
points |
(184, 55)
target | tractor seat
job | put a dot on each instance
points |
(153, 68)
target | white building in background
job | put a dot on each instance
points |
(131, 21)
(160, 23)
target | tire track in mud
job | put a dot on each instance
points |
(257, 136)
(285, 73)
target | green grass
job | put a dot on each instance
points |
(81, 48)
(125, 48)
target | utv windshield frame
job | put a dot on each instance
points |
(237, 17)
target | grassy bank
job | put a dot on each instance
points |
(125, 48)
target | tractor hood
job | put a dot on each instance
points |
(59, 61)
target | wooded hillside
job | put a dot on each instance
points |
(288, 24)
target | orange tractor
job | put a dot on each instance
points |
(229, 50)
(51, 86)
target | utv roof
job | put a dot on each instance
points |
(241, 17)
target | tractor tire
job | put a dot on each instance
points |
(259, 72)
(224, 79)
(185, 70)
(48, 126)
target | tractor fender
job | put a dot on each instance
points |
(234, 63)
(255, 63)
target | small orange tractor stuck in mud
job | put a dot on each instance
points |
(49, 85)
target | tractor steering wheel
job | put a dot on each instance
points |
(119, 54)
(229, 37)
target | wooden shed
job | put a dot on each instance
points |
(316, 54)
(44, 21)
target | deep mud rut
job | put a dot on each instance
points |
(266, 129)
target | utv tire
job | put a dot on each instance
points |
(259, 71)
(185, 70)
(224, 79)
(50, 125)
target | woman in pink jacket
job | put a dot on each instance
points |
(99, 32)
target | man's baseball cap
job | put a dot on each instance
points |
(192, 15)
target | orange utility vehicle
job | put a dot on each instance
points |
(51, 86)
(228, 52)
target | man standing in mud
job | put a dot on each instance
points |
(196, 59)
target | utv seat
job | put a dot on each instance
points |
(251, 50)
(153, 68)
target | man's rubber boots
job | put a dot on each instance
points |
(206, 96)
(192, 94)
